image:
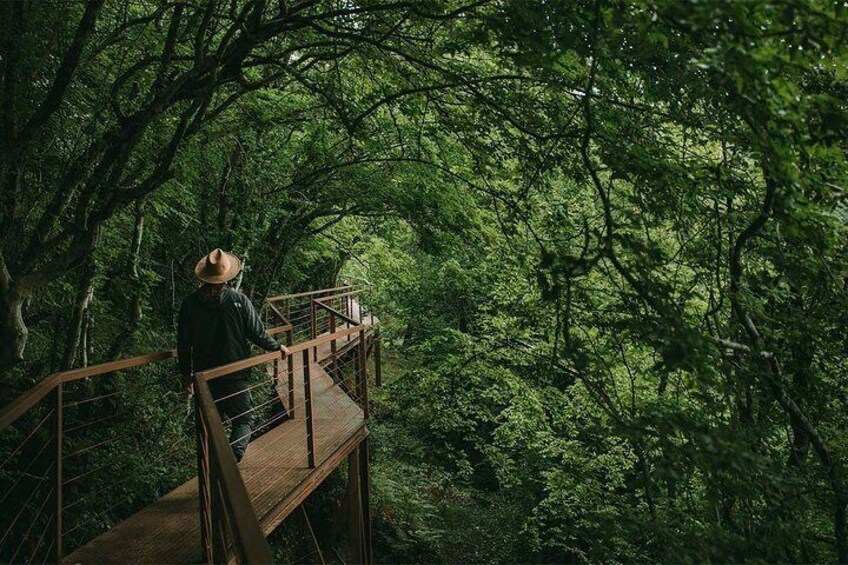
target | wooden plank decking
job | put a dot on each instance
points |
(274, 471)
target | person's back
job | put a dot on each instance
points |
(214, 328)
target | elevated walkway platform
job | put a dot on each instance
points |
(274, 471)
(71, 443)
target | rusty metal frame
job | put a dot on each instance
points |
(308, 293)
(334, 312)
(52, 386)
(223, 486)
(348, 294)
(224, 503)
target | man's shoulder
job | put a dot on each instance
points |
(236, 297)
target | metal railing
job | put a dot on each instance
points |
(296, 309)
(228, 525)
(66, 439)
(305, 353)
(61, 441)
(343, 315)
(65, 473)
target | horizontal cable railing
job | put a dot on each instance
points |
(296, 309)
(342, 310)
(302, 358)
(67, 438)
(228, 524)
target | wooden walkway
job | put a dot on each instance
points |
(274, 471)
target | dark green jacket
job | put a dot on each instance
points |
(210, 334)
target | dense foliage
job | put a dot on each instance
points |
(606, 240)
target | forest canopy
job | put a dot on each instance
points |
(606, 241)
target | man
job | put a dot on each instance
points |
(214, 327)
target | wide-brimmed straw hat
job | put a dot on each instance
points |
(217, 267)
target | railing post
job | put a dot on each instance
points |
(290, 366)
(333, 347)
(362, 377)
(378, 354)
(354, 501)
(314, 321)
(219, 537)
(348, 312)
(231, 514)
(307, 403)
(57, 468)
(365, 498)
(203, 489)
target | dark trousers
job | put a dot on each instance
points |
(235, 405)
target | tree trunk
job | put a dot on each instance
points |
(13, 331)
(55, 336)
(137, 305)
(86, 347)
(85, 293)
